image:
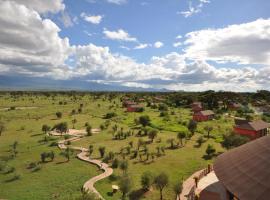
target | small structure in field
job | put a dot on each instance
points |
(128, 103)
(158, 99)
(234, 106)
(204, 115)
(196, 106)
(135, 108)
(252, 129)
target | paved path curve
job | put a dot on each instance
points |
(83, 155)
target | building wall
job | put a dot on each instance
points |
(200, 118)
(251, 134)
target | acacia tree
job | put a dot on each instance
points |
(45, 128)
(101, 151)
(58, 115)
(144, 120)
(192, 126)
(147, 180)
(61, 127)
(74, 121)
(177, 188)
(124, 166)
(67, 153)
(89, 130)
(14, 148)
(125, 185)
(208, 129)
(2, 128)
(152, 134)
(160, 182)
(91, 149)
(181, 135)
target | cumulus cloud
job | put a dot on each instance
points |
(141, 46)
(43, 6)
(30, 45)
(177, 44)
(158, 44)
(120, 35)
(247, 43)
(94, 19)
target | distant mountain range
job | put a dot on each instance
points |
(33, 83)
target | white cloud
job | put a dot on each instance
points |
(43, 6)
(158, 44)
(141, 46)
(120, 35)
(192, 10)
(66, 19)
(178, 37)
(30, 45)
(94, 19)
(118, 2)
(177, 44)
(247, 43)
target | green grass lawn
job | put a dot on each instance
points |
(63, 180)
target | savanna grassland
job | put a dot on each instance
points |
(23, 116)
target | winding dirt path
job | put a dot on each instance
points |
(83, 155)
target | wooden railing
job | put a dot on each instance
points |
(192, 195)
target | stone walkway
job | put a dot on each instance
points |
(83, 155)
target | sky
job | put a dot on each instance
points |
(191, 45)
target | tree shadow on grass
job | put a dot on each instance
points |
(38, 134)
(136, 194)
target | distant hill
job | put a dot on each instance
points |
(34, 83)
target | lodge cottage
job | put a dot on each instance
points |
(234, 106)
(196, 106)
(253, 130)
(128, 103)
(204, 115)
(135, 108)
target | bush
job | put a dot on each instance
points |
(110, 115)
(233, 140)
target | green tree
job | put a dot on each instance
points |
(74, 121)
(192, 126)
(208, 129)
(144, 120)
(177, 188)
(161, 181)
(125, 185)
(89, 130)
(58, 115)
(102, 151)
(233, 140)
(45, 128)
(61, 127)
(91, 150)
(124, 166)
(147, 180)
(181, 135)
(152, 134)
(67, 153)
(210, 150)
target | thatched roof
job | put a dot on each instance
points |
(245, 171)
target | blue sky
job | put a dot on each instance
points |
(221, 44)
(155, 20)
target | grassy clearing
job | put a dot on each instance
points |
(60, 180)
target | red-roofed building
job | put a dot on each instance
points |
(204, 115)
(196, 107)
(135, 108)
(253, 130)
